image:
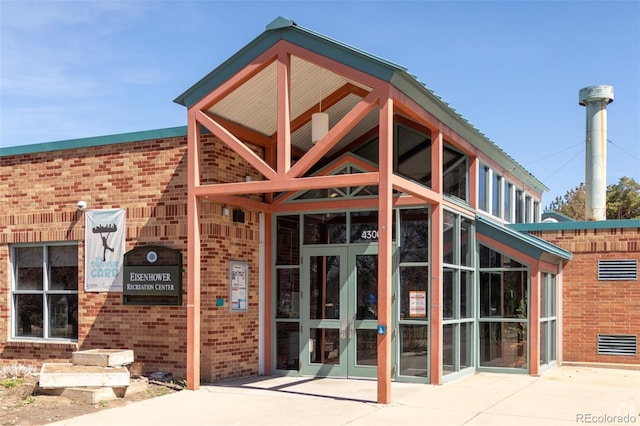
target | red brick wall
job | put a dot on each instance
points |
(592, 307)
(39, 193)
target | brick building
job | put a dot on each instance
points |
(379, 247)
(601, 293)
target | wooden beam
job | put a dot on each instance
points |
(237, 80)
(243, 132)
(238, 201)
(415, 189)
(350, 120)
(236, 145)
(385, 251)
(327, 102)
(301, 184)
(193, 254)
(284, 118)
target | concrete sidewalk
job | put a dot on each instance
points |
(563, 396)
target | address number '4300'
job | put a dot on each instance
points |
(369, 235)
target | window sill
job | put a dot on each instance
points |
(17, 343)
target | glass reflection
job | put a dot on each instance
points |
(414, 345)
(324, 346)
(324, 285)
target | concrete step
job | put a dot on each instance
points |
(103, 357)
(64, 375)
(94, 395)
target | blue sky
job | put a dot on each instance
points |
(513, 69)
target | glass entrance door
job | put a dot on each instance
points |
(339, 305)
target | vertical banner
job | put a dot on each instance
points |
(104, 238)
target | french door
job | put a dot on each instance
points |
(339, 306)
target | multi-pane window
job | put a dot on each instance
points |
(413, 287)
(503, 322)
(45, 291)
(457, 290)
(548, 319)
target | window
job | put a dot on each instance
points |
(496, 198)
(412, 155)
(504, 316)
(45, 291)
(536, 211)
(457, 293)
(483, 188)
(548, 319)
(454, 175)
(508, 195)
(519, 206)
(414, 285)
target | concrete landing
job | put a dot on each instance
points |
(63, 375)
(103, 357)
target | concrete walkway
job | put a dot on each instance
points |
(563, 396)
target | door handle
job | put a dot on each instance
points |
(352, 329)
(343, 328)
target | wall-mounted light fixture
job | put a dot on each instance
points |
(238, 215)
(225, 210)
(247, 178)
(82, 205)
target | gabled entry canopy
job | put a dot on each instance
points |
(327, 76)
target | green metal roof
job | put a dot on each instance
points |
(521, 241)
(286, 29)
(95, 141)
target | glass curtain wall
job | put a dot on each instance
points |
(414, 294)
(287, 298)
(458, 298)
(503, 322)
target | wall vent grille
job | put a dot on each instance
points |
(618, 270)
(616, 344)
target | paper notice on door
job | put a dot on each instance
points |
(417, 304)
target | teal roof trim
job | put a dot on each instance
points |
(521, 241)
(285, 29)
(144, 135)
(571, 226)
(557, 216)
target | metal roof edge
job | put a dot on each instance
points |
(527, 243)
(582, 225)
(286, 29)
(422, 95)
(228, 68)
(94, 141)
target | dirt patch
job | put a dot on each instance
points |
(22, 405)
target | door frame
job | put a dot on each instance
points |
(347, 324)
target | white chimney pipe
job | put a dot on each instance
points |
(596, 99)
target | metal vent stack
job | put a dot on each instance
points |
(596, 99)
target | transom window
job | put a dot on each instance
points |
(44, 291)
